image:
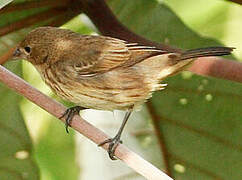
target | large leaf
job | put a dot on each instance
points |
(15, 145)
(199, 117)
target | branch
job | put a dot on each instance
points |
(7, 55)
(108, 24)
(33, 4)
(62, 19)
(31, 20)
(236, 1)
(218, 67)
(97, 136)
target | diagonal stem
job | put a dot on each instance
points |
(236, 1)
(33, 4)
(7, 55)
(62, 19)
(26, 22)
(218, 67)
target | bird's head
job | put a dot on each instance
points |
(37, 45)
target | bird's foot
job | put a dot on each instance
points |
(113, 143)
(70, 113)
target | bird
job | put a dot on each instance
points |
(101, 72)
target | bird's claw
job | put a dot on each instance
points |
(113, 143)
(69, 114)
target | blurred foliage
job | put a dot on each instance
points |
(16, 151)
(199, 117)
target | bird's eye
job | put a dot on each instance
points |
(27, 49)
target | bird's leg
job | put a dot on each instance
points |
(70, 113)
(113, 142)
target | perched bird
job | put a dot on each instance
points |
(100, 72)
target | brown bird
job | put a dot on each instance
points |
(100, 72)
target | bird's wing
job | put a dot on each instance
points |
(103, 54)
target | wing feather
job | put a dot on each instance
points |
(102, 54)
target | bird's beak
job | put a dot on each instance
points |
(16, 53)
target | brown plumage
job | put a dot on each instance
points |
(102, 72)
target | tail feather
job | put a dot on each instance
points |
(204, 52)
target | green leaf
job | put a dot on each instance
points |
(55, 153)
(16, 152)
(200, 118)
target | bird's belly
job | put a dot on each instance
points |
(99, 98)
(107, 92)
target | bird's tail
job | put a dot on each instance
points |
(204, 52)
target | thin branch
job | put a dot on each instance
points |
(97, 136)
(108, 24)
(33, 4)
(63, 18)
(236, 1)
(160, 136)
(28, 21)
(218, 67)
(7, 55)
